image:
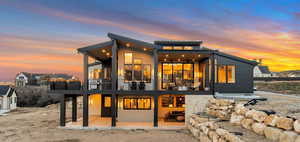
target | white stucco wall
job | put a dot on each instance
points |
(194, 104)
(134, 115)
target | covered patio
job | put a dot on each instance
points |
(105, 122)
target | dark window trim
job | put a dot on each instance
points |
(137, 106)
(162, 69)
(142, 70)
(226, 72)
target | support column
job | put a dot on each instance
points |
(74, 108)
(155, 120)
(85, 122)
(85, 110)
(213, 73)
(85, 72)
(62, 111)
(155, 68)
(114, 82)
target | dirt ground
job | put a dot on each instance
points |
(41, 125)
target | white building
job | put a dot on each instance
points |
(8, 98)
(261, 71)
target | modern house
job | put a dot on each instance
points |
(38, 79)
(262, 71)
(128, 82)
(8, 98)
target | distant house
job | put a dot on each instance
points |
(8, 98)
(261, 71)
(37, 79)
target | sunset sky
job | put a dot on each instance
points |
(43, 35)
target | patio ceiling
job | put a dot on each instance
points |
(181, 57)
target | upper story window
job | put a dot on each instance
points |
(177, 47)
(135, 70)
(128, 58)
(225, 74)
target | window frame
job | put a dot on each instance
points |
(133, 70)
(226, 73)
(137, 103)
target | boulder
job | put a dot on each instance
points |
(213, 136)
(297, 126)
(195, 131)
(249, 113)
(247, 123)
(272, 133)
(221, 132)
(236, 118)
(204, 138)
(222, 102)
(288, 136)
(285, 123)
(241, 109)
(297, 139)
(258, 128)
(259, 116)
(271, 120)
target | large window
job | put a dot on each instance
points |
(172, 101)
(177, 74)
(128, 72)
(135, 70)
(137, 103)
(225, 74)
(231, 74)
(147, 73)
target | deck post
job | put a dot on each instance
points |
(155, 120)
(85, 122)
(213, 73)
(74, 108)
(62, 111)
(155, 68)
(114, 83)
(155, 61)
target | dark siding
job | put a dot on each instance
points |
(243, 77)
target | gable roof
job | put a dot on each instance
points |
(264, 69)
(3, 89)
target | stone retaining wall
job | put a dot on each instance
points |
(274, 127)
(205, 129)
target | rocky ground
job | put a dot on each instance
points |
(41, 125)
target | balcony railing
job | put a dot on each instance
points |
(100, 84)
